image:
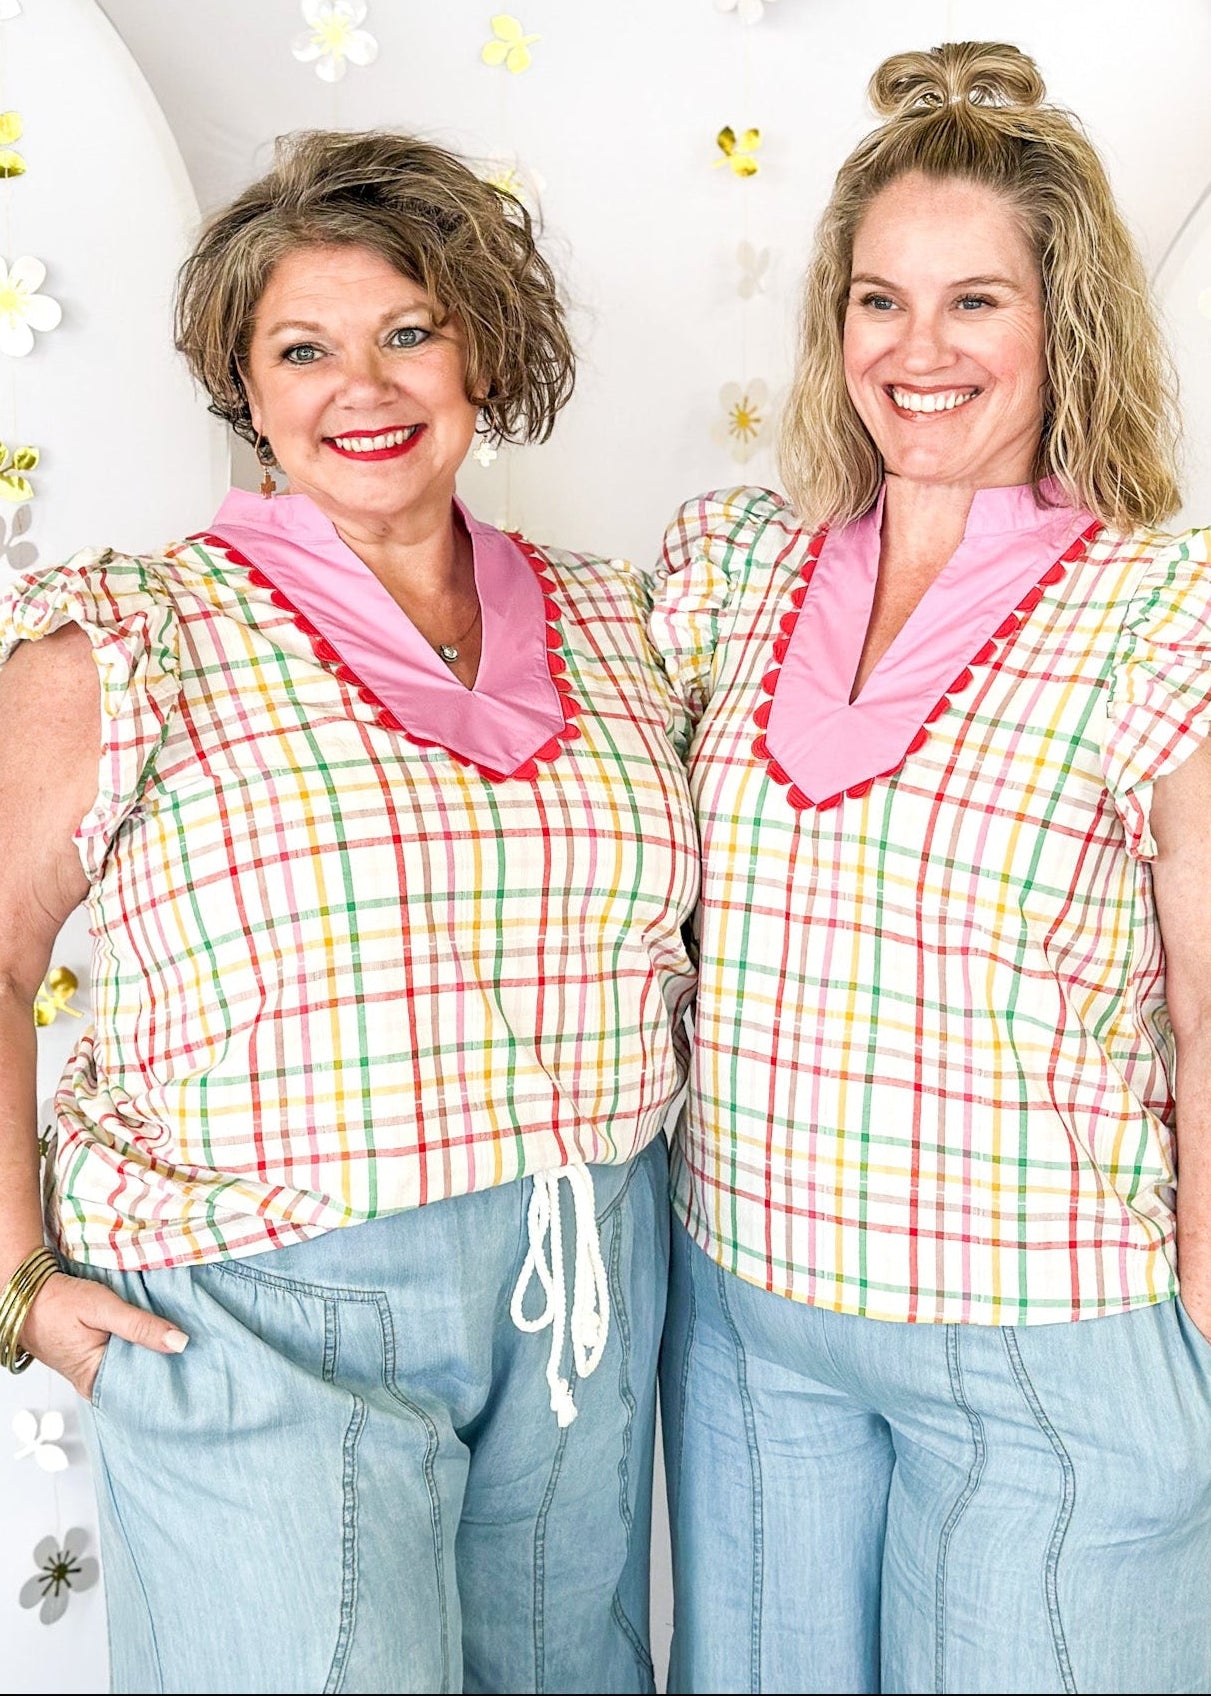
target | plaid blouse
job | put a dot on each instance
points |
(339, 972)
(932, 1076)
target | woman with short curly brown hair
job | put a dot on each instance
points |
(387, 864)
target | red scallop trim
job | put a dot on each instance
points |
(328, 656)
(988, 654)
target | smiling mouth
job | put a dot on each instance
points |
(382, 444)
(916, 403)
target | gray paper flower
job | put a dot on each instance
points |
(60, 1571)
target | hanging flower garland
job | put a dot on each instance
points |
(334, 39)
(18, 553)
(510, 45)
(754, 265)
(740, 152)
(22, 309)
(744, 424)
(61, 1569)
(748, 11)
(40, 1439)
(15, 486)
(55, 996)
(11, 129)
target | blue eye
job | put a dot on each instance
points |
(408, 335)
(968, 301)
(303, 353)
(878, 302)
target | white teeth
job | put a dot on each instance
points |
(373, 444)
(939, 401)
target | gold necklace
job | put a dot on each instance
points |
(449, 651)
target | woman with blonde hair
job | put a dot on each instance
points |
(387, 854)
(934, 1417)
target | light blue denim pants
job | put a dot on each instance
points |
(352, 1479)
(864, 1506)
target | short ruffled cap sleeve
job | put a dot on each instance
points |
(1159, 707)
(124, 608)
(706, 549)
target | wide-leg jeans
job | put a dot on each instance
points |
(352, 1479)
(865, 1506)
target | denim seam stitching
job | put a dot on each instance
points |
(392, 1389)
(623, 1320)
(683, 1388)
(1063, 1518)
(113, 1502)
(540, 1553)
(974, 1473)
(750, 1432)
(349, 1546)
(299, 1286)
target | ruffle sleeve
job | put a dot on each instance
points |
(1159, 706)
(123, 606)
(707, 550)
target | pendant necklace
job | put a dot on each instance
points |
(449, 651)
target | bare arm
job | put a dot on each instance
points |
(49, 752)
(1181, 825)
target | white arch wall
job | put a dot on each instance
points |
(129, 457)
(1184, 288)
(619, 113)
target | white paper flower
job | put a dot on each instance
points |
(40, 1438)
(332, 36)
(22, 309)
(754, 263)
(745, 421)
(748, 11)
(9, 9)
(484, 453)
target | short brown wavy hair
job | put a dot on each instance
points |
(975, 110)
(468, 243)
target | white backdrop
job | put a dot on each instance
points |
(617, 117)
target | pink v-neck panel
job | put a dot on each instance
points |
(825, 742)
(514, 708)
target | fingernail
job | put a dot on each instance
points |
(175, 1341)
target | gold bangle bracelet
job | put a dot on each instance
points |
(19, 1295)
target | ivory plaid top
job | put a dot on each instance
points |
(338, 973)
(932, 1076)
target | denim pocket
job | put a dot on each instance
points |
(94, 1394)
(1198, 1345)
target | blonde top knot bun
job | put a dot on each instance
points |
(960, 73)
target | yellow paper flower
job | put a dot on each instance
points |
(510, 46)
(11, 164)
(508, 176)
(739, 153)
(333, 37)
(14, 485)
(54, 997)
(22, 309)
(744, 421)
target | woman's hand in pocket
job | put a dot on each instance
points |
(72, 1320)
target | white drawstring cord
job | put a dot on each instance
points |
(590, 1290)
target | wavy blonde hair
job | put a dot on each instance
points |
(974, 110)
(468, 243)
